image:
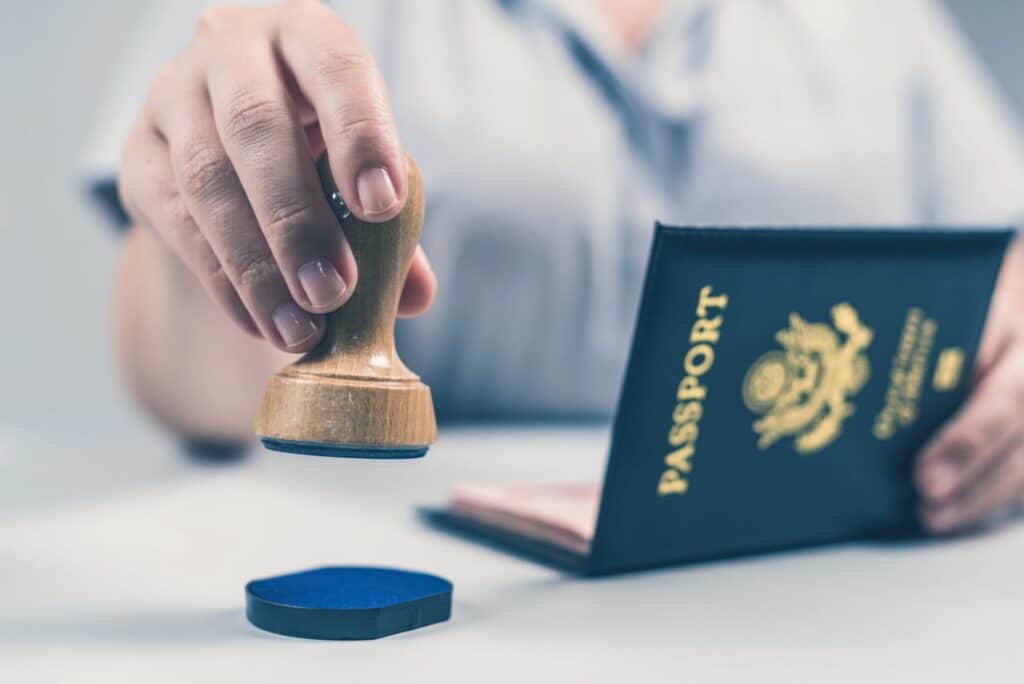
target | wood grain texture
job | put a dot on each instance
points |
(353, 389)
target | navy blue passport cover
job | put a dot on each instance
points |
(779, 385)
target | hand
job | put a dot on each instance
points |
(975, 465)
(221, 165)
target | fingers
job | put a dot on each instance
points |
(1001, 486)
(222, 165)
(266, 143)
(976, 436)
(972, 447)
(217, 201)
(150, 194)
(338, 76)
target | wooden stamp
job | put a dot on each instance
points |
(352, 396)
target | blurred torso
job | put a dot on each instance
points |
(552, 134)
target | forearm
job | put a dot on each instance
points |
(192, 368)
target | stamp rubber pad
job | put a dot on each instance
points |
(347, 602)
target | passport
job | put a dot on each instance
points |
(779, 385)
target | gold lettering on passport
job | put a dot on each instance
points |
(690, 395)
(906, 377)
(802, 389)
(948, 369)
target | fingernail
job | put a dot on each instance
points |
(294, 325)
(376, 191)
(940, 480)
(323, 284)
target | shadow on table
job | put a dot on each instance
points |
(164, 627)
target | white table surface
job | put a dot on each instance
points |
(120, 561)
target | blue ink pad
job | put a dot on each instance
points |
(347, 602)
(342, 450)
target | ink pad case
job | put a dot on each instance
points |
(347, 602)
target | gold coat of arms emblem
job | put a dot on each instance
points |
(803, 389)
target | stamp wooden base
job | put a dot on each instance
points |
(352, 395)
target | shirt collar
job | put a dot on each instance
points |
(666, 75)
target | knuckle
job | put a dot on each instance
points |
(252, 118)
(253, 270)
(958, 442)
(206, 171)
(364, 133)
(333, 64)
(217, 17)
(287, 219)
(966, 445)
(177, 216)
